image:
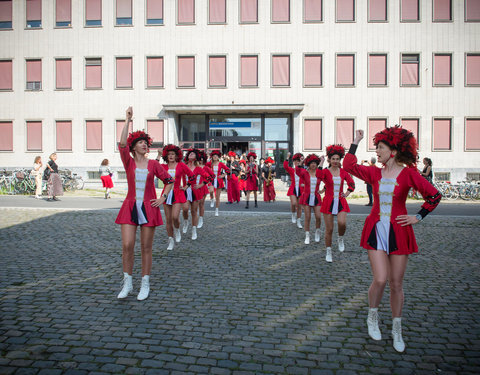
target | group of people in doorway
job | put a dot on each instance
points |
(387, 235)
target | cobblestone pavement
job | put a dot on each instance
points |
(247, 297)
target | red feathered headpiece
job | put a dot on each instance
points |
(216, 152)
(134, 137)
(312, 158)
(399, 139)
(232, 154)
(243, 161)
(297, 156)
(269, 160)
(251, 154)
(173, 148)
(189, 151)
(336, 150)
(203, 156)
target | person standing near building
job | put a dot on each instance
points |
(252, 180)
(54, 182)
(233, 190)
(268, 176)
(220, 170)
(369, 187)
(334, 202)
(295, 190)
(203, 192)
(310, 198)
(106, 177)
(141, 206)
(427, 171)
(259, 177)
(387, 234)
(37, 172)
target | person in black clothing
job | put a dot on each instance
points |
(427, 169)
(369, 187)
(54, 182)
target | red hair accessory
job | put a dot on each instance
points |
(216, 152)
(312, 158)
(189, 151)
(232, 154)
(399, 139)
(251, 154)
(243, 161)
(336, 150)
(203, 156)
(173, 148)
(134, 137)
(269, 160)
(297, 156)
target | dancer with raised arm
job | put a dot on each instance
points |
(220, 170)
(141, 206)
(172, 155)
(252, 179)
(388, 234)
(310, 198)
(295, 190)
(334, 202)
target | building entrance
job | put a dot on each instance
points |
(239, 148)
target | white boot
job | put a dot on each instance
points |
(185, 226)
(212, 203)
(145, 289)
(317, 235)
(398, 343)
(307, 238)
(328, 257)
(216, 211)
(200, 222)
(341, 244)
(194, 233)
(178, 235)
(294, 217)
(171, 243)
(299, 223)
(127, 286)
(372, 323)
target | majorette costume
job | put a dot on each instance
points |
(233, 190)
(251, 172)
(208, 182)
(218, 170)
(295, 187)
(242, 179)
(268, 186)
(310, 195)
(176, 195)
(381, 231)
(136, 208)
(333, 201)
(200, 175)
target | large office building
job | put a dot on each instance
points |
(265, 75)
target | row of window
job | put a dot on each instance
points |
(345, 72)
(442, 132)
(345, 11)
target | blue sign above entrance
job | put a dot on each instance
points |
(230, 125)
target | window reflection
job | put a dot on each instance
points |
(276, 128)
(235, 126)
(192, 128)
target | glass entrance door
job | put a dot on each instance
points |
(278, 151)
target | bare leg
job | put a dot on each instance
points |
(146, 240)
(176, 207)
(128, 245)
(398, 265)
(342, 223)
(185, 208)
(328, 218)
(169, 218)
(308, 214)
(217, 198)
(299, 210)
(293, 203)
(380, 269)
(194, 211)
(318, 217)
(201, 207)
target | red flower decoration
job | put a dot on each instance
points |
(401, 140)
(251, 154)
(189, 151)
(137, 136)
(297, 156)
(336, 150)
(232, 154)
(173, 148)
(216, 152)
(269, 160)
(312, 158)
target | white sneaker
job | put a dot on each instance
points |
(307, 238)
(145, 289)
(212, 203)
(372, 323)
(299, 223)
(328, 257)
(194, 233)
(317, 235)
(127, 286)
(171, 243)
(341, 244)
(185, 226)
(200, 222)
(398, 343)
(294, 217)
(178, 235)
(216, 211)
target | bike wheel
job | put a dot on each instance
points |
(80, 183)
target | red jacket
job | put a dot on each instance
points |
(291, 172)
(329, 193)
(305, 180)
(180, 170)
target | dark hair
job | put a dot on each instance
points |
(105, 162)
(428, 160)
(406, 158)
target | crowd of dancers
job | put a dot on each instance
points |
(188, 179)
